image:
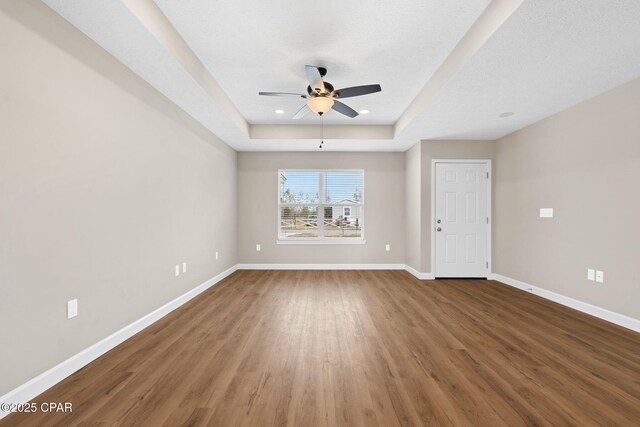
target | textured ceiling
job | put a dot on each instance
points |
(547, 56)
(252, 46)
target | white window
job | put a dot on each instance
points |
(320, 206)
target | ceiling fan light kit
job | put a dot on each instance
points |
(320, 104)
(322, 97)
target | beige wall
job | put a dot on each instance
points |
(443, 150)
(105, 185)
(413, 206)
(585, 163)
(383, 211)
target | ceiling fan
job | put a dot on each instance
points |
(322, 97)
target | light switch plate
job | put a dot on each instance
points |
(184, 267)
(599, 276)
(387, 248)
(72, 308)
(177, 270)
(591, 274)
(258, 248)
(546, 212)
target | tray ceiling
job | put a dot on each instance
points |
(448, 69)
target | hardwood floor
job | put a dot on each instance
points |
(315, 348)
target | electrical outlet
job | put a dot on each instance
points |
(387, 248)
(599, 276)
(258, 248)
(177, 270)
(72, 308)
(591, 274)
(217, 255)
(184, 267)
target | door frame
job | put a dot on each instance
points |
(433, 209)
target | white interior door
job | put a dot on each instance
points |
(461, 220)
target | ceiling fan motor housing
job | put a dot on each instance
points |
(328, 89)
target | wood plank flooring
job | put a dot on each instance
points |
(330, 348)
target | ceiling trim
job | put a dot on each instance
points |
(489, 21)
(315, 132)
(150, 15)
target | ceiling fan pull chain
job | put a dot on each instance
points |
(321, 131)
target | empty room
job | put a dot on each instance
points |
(340, 213)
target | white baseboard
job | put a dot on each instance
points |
(609, 316)
(321, 266)
(48, 379)
(417, 274)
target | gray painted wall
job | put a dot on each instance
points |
(585, 163)
(383, 210)
(413, 212)
(105, 185)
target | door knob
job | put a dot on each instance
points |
(439, 229)
(438, 221)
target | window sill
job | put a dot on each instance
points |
(335, 241)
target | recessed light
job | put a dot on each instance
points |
(279, 111)
(507, 114)
(364, 111)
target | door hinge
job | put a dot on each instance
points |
(487, 264)
(487, 175)
(487, 220)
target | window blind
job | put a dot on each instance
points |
(319, 205)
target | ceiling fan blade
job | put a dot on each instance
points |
(281, 94)
(302, 112)
(344, 109)
(314, 77)
(349, 92)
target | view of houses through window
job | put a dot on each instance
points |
(317, 205)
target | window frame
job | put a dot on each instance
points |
(321, 239)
